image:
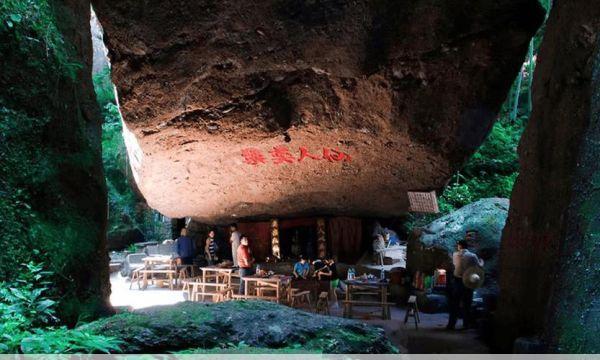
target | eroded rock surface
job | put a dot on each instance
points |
(549, 257)
(432, 246)
(408, 89)
(257, 324)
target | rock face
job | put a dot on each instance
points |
(255, 323)
(550, 255)
(432, 246)
(68, 197)
(242, 109)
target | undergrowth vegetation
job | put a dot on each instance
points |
(28, 322)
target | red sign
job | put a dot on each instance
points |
(281, 154)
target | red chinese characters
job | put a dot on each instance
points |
(335, 155)
(281, 154)
(305, 154)
(253, 156)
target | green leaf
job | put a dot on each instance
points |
(16, 18)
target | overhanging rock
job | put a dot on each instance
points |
(242, 109)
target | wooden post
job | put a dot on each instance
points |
(275, 248)
(321, 240)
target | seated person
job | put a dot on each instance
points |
(301, 269)
(322, 270)
(336, 283)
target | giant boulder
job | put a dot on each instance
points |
(431, 247)
(215, 93)
(257, 324)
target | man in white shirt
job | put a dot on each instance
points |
(235, 243)
(462, 259)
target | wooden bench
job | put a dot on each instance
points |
(170, 273)
(385, 307)
(249, 297)
(298, 297)
(198, 289)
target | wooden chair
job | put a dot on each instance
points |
(385, 307)
(323, 304)
(170, 275)
(182, 274)
(136, 276)
(412, 310)
(298, 297)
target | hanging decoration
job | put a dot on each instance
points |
(321, 241)
(275, 248)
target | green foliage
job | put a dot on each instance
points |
(126, 209)
(16, 132)
(25, 308)
(105, 93)
(32, 22)
(67, 341)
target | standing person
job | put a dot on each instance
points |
(186, 248)
(211, 248)
(245, 261)
(234, 240)
(459, 294)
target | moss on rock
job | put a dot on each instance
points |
(239, 326)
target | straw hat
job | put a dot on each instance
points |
(473, 277)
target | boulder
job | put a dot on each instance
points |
(257, 324)
(245, 110)
(432, 246)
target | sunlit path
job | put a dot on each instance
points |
(138, 299)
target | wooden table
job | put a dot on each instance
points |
(278, 285)
(219, 274)
(215, 282)
(197, 290)
(368, 288)
(149, 269)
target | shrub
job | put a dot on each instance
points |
(26, 316)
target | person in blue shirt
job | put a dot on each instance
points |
(186, 248)
(301, 269)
